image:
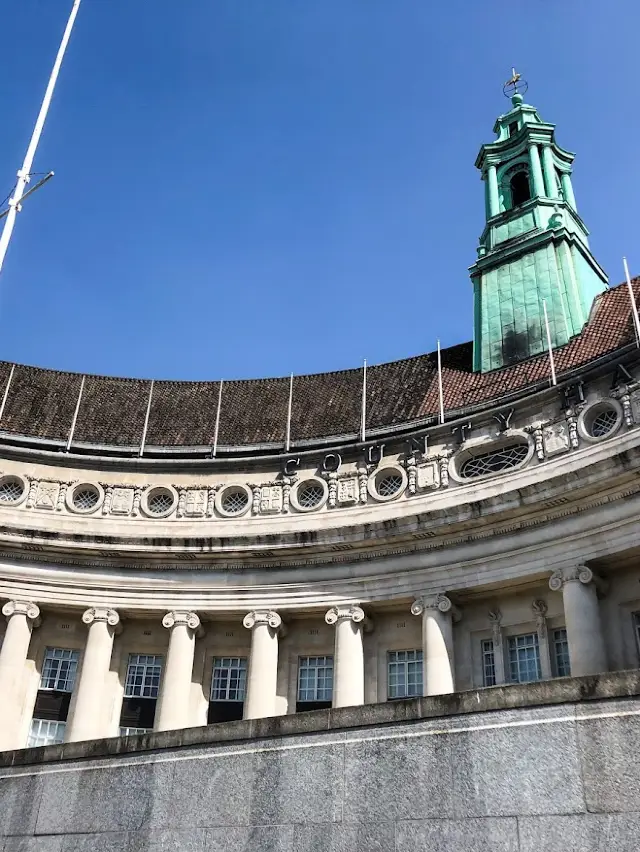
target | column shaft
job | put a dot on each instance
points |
(549, 172)
(567, 190)
(175, 692)
(13, 656)
(494, 198)
(262, 677)
(537, 188)
(348, 665)
(587, 653)
(437, 643)
(88, 720)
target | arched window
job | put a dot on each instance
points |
(520, 189)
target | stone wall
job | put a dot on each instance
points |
(546, 767)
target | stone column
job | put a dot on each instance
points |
(494, 198)
(262, 677)
(22, 617)
(567, 190)
(582, 619)
(437, 643)
(495, 620)
(86, 721)
(175, 692)
(537, 188)
(348, 664)
(539, 609)
(549, 172)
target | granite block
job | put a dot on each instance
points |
(405, 778)
(19, 802)
(108, 841)
(336, 837)
(489, 834)
(610, 752)
(121, 798)
(297, 785)
(517, 769)
(51, 843)
(270, 838)
(207, 791)
(189, 840)
(580, 833)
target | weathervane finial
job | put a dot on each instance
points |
(515, 87)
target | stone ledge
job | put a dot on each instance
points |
(569, 690)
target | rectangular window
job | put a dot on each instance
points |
(488, 663)
(404, 674)
(45, 732)
(229, 680)
(524, 658)
(143, 676)
(562, 665)
(59, 669)
(131, 732)
(315, 679)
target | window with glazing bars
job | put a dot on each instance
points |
(561, 653)
(636, 624)
(143, 676)
(229, 679)
(524, 658)
(59, 669)
(488, 663)
(130, 732)
(45, 732)
(315, 679)
(404, 674)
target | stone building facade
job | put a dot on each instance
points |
(173, 554)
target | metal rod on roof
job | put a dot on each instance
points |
(25, 172)
(75, 415)
(217, 426)
(6, 390)
(287, 445)
(551, 361)
(440, 393)
(146, 420)
(634, 307)
(363, 423)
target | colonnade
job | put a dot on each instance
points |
(584, 635)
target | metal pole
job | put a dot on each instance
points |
(217, 427)
(551, 361)
(441, 395)
(146, 421)
(363, 424)
(23, 174)
(75, 415)
(634, 307)
(288, 438)
(6, 390)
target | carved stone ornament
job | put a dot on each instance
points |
(47, 495)
(109, 616)
(181, 617)
(429, 475)
(26, 608)
(121, 501)
(539, 608)
(270, 499)
(536, 432)
(340, 613)
(443, 463)
(622, 394)
(332, 482)
(566, 575)
(195, 502)
(363, 479)
(572, 423)
(348, 490)
(269, 617)
(495, 620)
(412, 474)
(556, 438)
(634, 399)
(440, 602)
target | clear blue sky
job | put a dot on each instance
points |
(250, 187)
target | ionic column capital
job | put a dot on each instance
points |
(262, 616)
(440, 602)
(27, 608)
(183, 618)
(102, 614)
(581, 573)
(345, 613)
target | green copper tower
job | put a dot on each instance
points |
(534, 248)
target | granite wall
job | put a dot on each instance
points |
(560, 772)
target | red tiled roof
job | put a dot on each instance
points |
(41, 403)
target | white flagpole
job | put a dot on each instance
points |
(363, 424)
(146, 421)
(217, 427)
(551, 361)
(440, 393)
(23, 174)
(75, 415)
(634, 307)
(288, 439)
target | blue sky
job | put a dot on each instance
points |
(251, 187)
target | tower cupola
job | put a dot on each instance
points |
(534, 248)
